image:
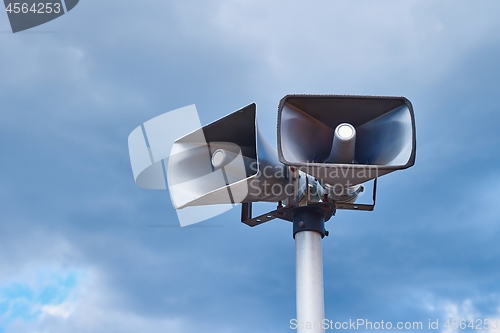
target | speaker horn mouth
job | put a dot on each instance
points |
(225, 162)
(346, 140)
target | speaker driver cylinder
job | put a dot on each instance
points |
(232, 163)
(222, 157)
(343, 145)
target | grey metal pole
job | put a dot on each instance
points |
(308, 233)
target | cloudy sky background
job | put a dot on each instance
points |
(83, 249)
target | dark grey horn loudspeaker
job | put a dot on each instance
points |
(227, 161)
(346, 140)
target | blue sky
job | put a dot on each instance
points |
(83, 249)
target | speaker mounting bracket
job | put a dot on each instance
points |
(355, 206)
(286, 213)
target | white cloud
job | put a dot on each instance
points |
(62, 310)
(91, 308)
(348, 43)
(453, 313)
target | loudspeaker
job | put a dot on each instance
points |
(227, 161)
(31, 13)
(346, 140)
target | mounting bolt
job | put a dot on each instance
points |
(301, 224)
(327, 233)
